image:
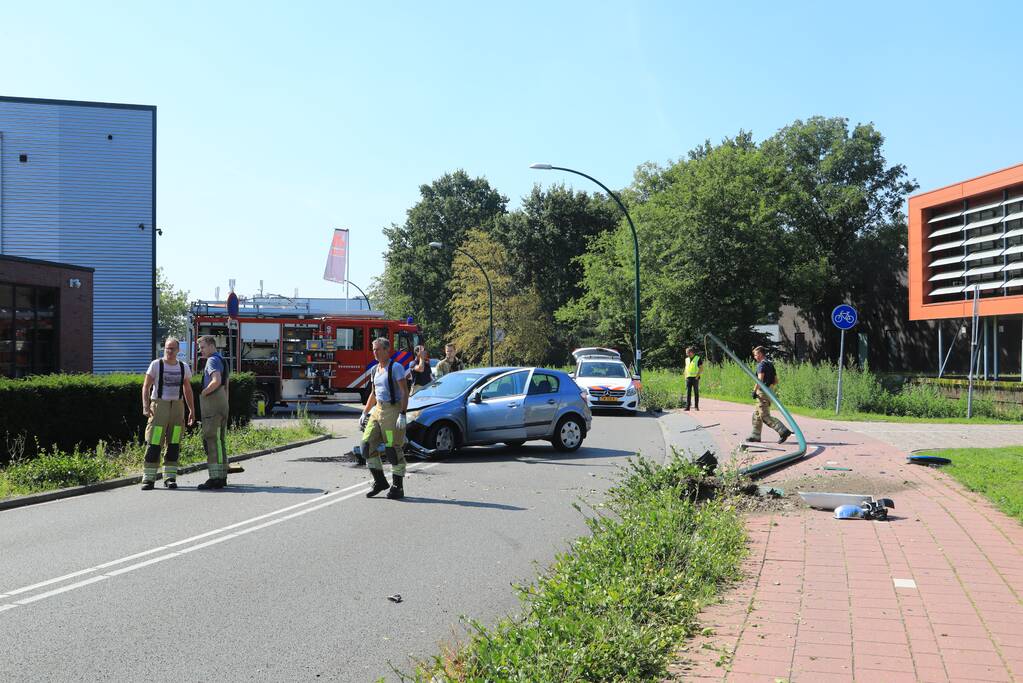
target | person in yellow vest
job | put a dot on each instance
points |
(693, 370)
(166, 391)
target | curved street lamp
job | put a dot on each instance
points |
(369, 306)
(490, 292)
(635, 240)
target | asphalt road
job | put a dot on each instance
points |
(286, 574)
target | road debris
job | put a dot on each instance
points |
(394, 598)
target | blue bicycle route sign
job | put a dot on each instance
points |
(844, 317)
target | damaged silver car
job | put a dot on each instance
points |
(510, 405)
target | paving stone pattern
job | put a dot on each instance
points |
(820, 601)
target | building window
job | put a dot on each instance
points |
(349, 338)
(28, 330)
(800, 346)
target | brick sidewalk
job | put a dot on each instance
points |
(934, 594)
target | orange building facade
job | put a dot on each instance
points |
(966, 241)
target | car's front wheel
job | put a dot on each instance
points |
(442, 438)
(568, 435)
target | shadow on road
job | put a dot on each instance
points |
(464, 503)
(326, 458)
(534, 455)
(245, 488)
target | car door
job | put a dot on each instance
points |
(541, 406)
(496, 412)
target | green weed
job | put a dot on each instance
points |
(55, 469)
(812, 389)
(617, 604)
(995, 473)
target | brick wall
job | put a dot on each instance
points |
(75, 310)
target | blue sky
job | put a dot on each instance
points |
(278, 122)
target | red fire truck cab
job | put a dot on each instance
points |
(298, 355)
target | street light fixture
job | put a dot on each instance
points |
(369, 306)
(635, 240)
(490, 292)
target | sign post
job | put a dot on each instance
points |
(844, 318)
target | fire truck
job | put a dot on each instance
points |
(301, 350)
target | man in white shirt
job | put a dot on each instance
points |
(383, 421)
(166, 391)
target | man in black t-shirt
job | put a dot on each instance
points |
(766, 374)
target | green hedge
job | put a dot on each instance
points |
(69, 411)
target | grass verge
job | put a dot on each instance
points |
(618, 604)
(56, 469)
(995, 473)
(811, 391)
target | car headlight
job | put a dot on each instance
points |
(631, 391)
(412, 415)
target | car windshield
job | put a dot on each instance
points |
(450, 385)
(602, 369)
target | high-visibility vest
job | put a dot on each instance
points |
(693, 366)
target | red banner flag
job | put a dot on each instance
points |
(337, 259)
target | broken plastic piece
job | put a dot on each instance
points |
(394, 598)
(839, 469)
(707, 462)
(770, 491)
(875, 509)
(848, 512)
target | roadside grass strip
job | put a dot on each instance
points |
(995, 473)
(55, 469)
(811, 390)
(618, 604)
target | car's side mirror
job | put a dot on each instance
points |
(477, 398)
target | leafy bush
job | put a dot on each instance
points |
(615, 606)
(79, 411)
(56, 470)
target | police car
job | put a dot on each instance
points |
(607, 381)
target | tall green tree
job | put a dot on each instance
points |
(544, 239)
(709, 250)
(517, 311)
(841, 204)
(172, 306)
(416, 279)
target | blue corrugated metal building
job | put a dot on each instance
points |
(78, 186)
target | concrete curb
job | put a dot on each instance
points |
(47, 496)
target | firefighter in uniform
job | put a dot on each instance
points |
(383, 421)
(214, 406)
(165, 392)
(762, 414)
(694, 368)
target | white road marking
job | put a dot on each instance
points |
(321, 501)
(904, 583)
(140, 565)
(62, 589)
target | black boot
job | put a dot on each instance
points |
(784, 434)
(397, 491)
(379, 483)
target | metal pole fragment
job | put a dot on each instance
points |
(841, 362)
(973, 354)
